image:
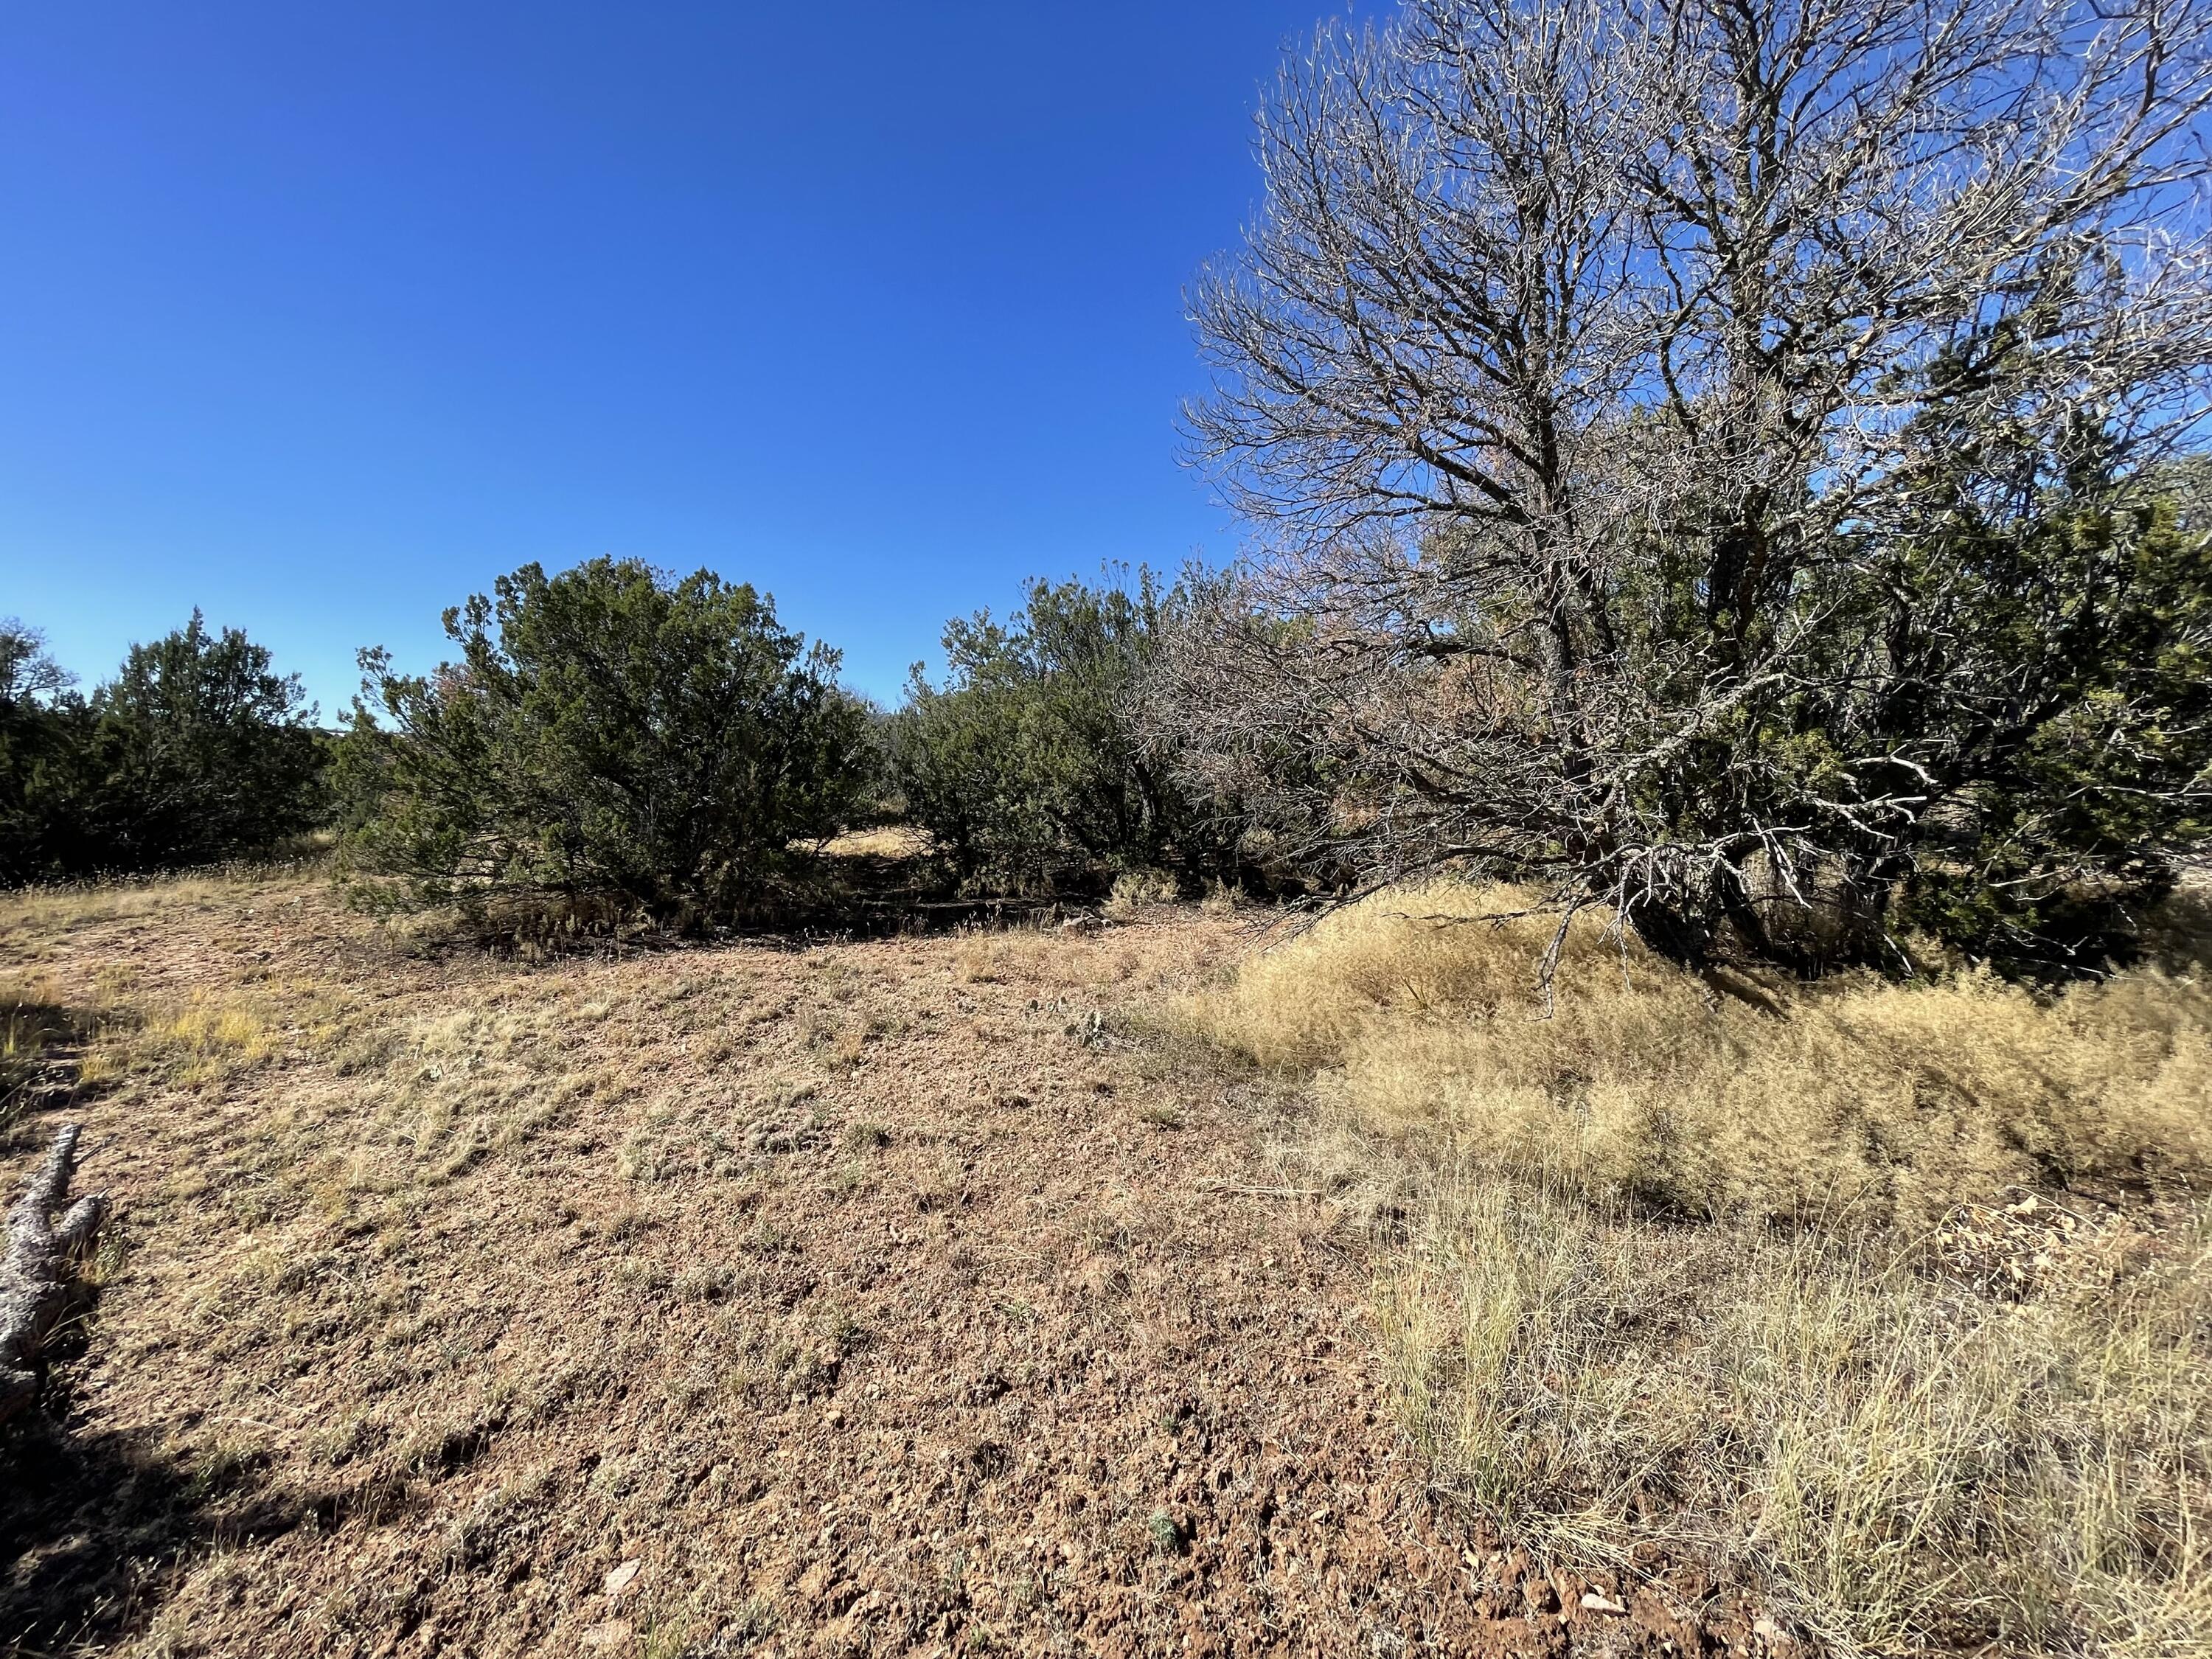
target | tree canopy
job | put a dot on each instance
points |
(607, 734)
(1713, 460)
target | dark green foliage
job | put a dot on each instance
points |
(202, 753)
(1995, 720)
(2064, 656)
(1996, 717)
(41, 732)
(605, 736)
(195, 753)
(1027, 767)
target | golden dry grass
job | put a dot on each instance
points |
(1861, 1102)
(1790, 1281)
(888, 841)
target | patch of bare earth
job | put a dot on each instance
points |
(868, 1297)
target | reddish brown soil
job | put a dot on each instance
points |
(885, 1298)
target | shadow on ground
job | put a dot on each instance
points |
(94, 1528)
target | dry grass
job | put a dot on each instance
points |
(1904, 1465)
(1860, 1103)
(31, 919)
(1134, 890)
(888, 840)
(1765, 1279)
(863, 1291)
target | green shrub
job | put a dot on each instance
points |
(610, 739)
(1027, 766)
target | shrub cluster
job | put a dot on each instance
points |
(609, 741)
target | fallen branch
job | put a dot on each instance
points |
(36, 1284)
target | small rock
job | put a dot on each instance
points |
(622, 1577)
(1597, 1603)
(613, 1633)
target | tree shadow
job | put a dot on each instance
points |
(2178, 935)
(95, 1527)
(93, 1524)
(40, 1044)
(839, 896)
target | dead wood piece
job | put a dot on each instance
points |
(37, 1285)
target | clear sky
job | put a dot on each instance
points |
(320, 317)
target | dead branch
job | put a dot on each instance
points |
(36, 1283)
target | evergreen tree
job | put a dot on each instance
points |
(607, 735)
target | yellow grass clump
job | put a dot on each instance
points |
(1788, 1280)
(204, 1038)
(1863, 1101)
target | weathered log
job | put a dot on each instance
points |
(36, 1276)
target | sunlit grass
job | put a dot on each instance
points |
(1679, 1269)
(1860, 1102)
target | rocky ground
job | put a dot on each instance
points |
(905, 1296)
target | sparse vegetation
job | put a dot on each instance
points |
(1730, 636)
(1894, 1299)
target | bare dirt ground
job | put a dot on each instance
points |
(883, 1296)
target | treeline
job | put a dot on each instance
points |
(196, 753)
(609, 744)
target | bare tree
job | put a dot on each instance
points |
(26, 671)
(1598, 377)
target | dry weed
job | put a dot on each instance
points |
(1135, 889)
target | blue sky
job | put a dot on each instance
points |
(320, 317)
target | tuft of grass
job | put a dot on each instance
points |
(1222, 900)
(1165, 1533)
(205, 1038)
(1902, 1466)
(1760, 1273)
(1134, 890)
(1021, 954)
